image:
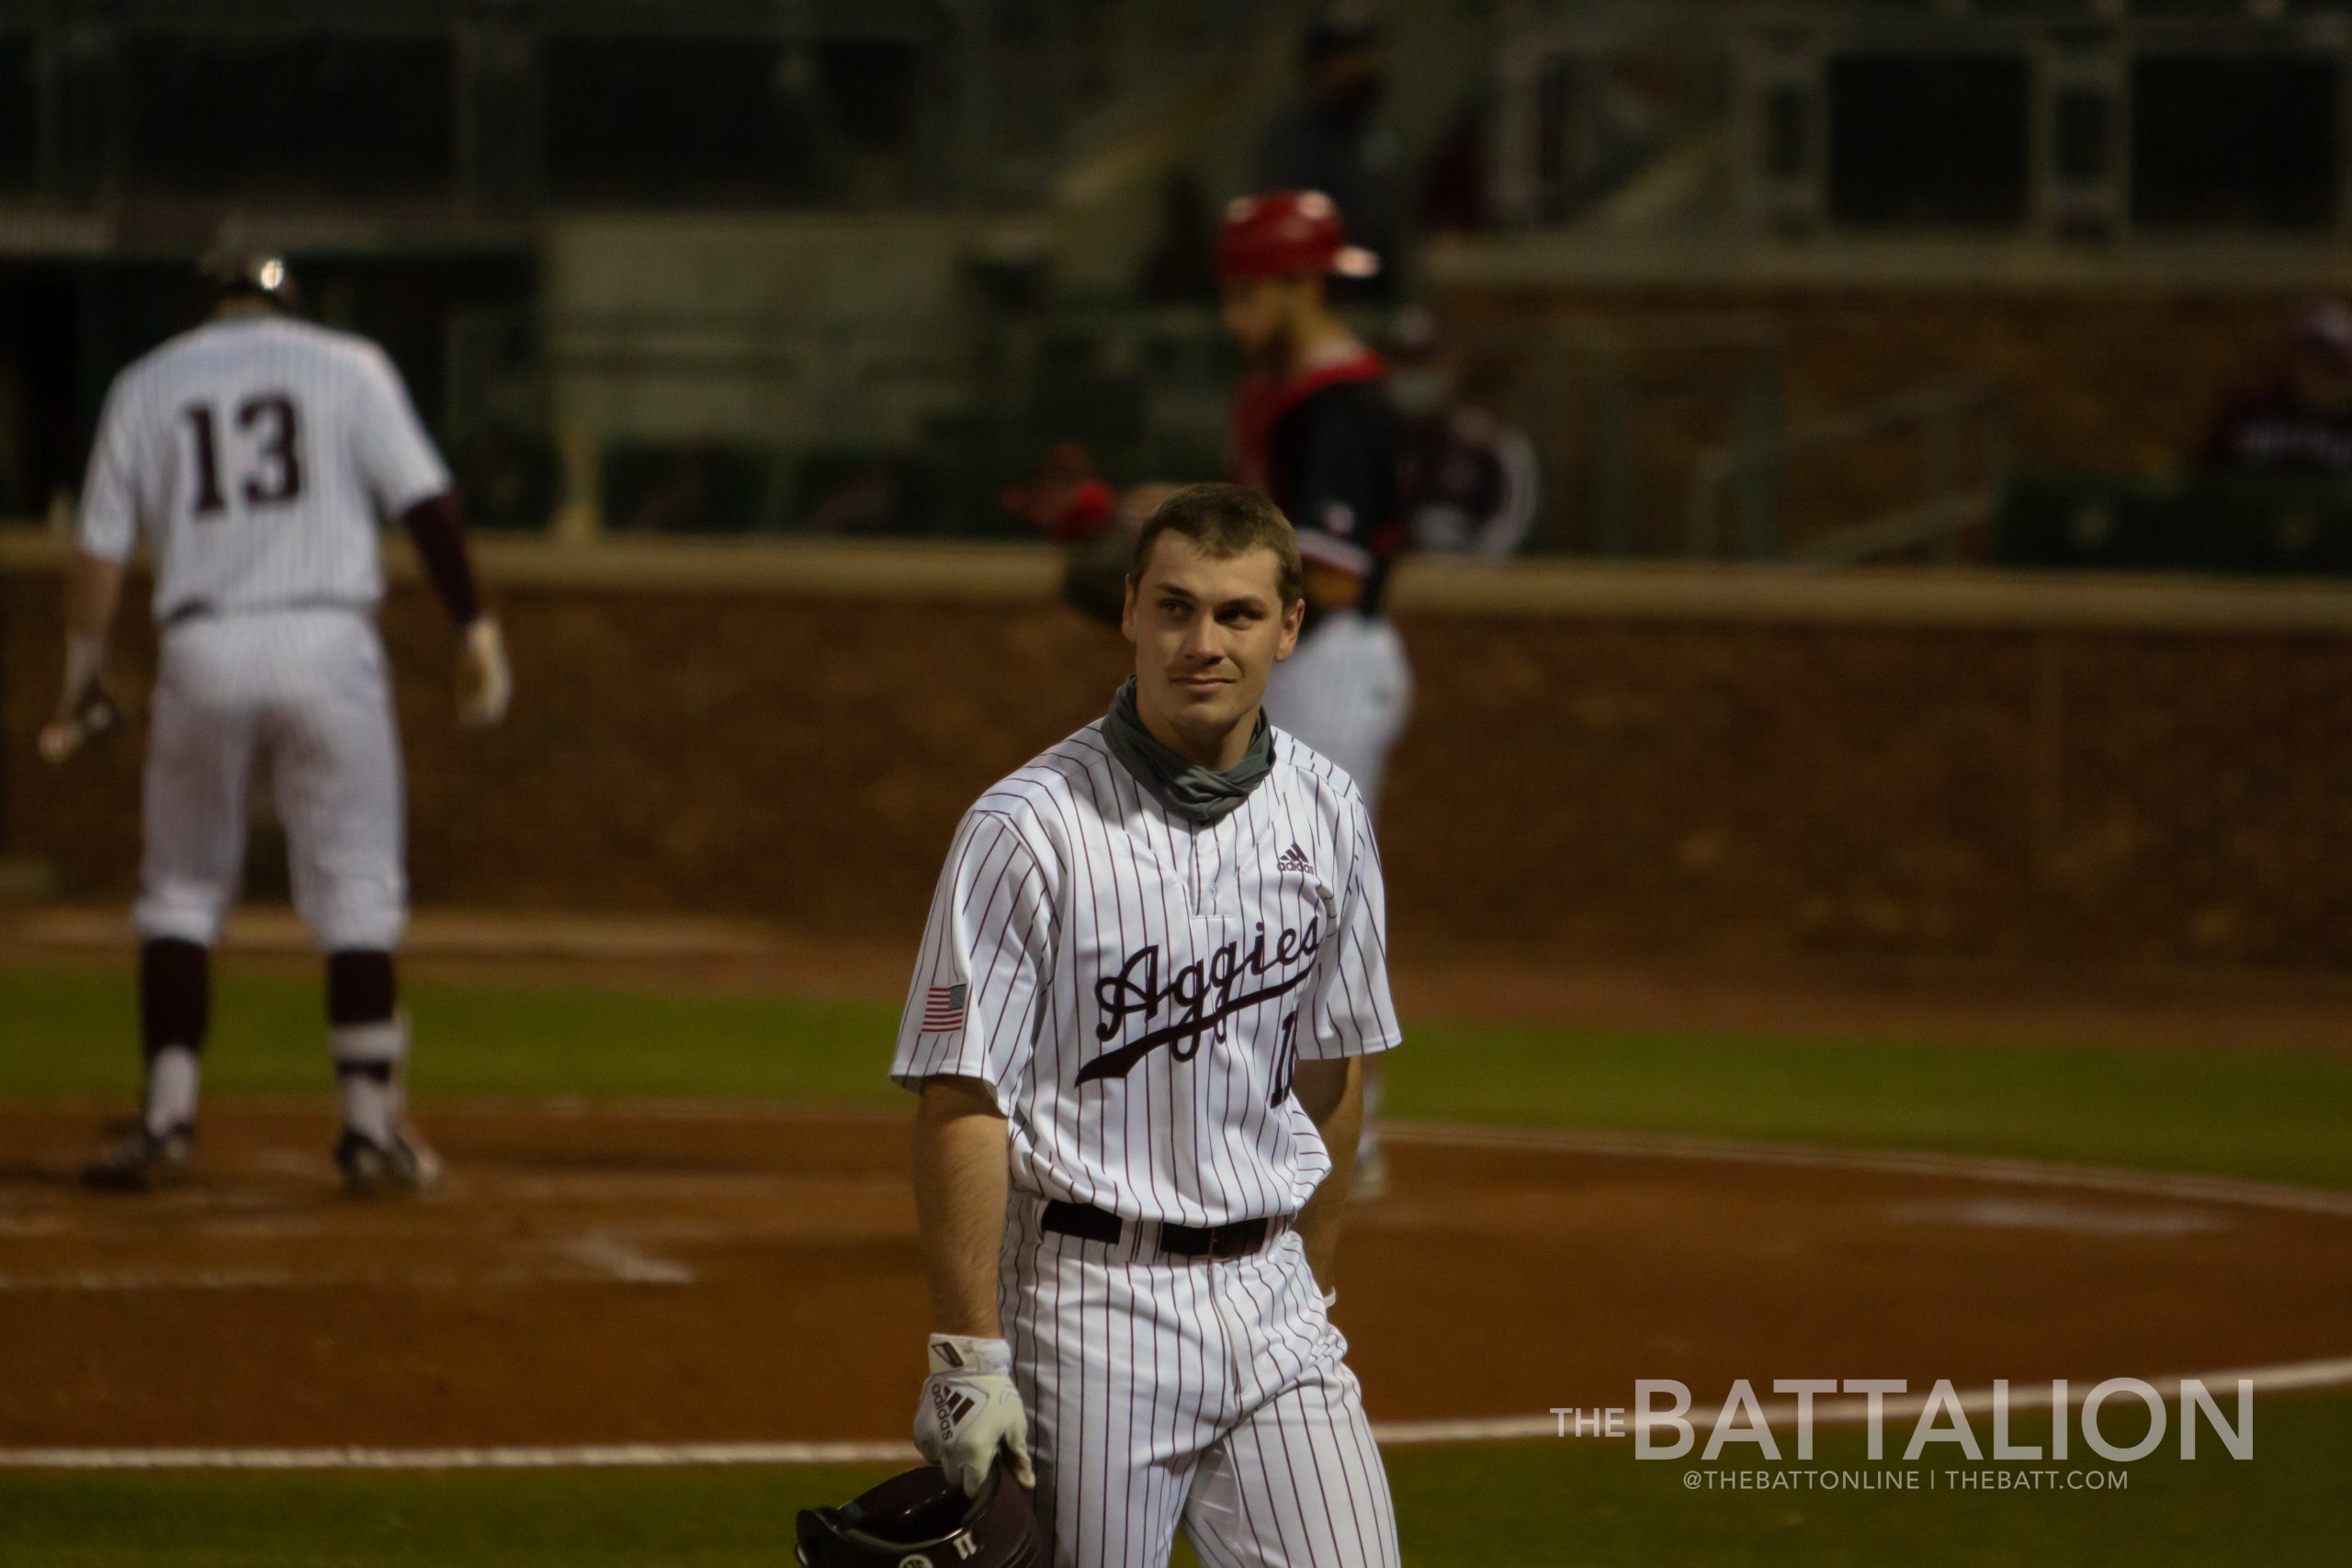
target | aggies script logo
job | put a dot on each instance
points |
(1199, 996)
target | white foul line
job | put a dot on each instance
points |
(2277, 1378)
(1887, 1162)
(1388, 1434)
(590, 1456)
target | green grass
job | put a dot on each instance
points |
(67, 1034)
(2272, 1114)
(1516, 1506)
(573, 1518)
(74, 1033)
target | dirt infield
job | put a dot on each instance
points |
(683, 1276)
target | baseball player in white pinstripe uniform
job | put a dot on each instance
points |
(256, 453)
(1154, 965)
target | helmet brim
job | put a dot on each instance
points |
(919, 1513)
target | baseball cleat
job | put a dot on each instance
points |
(405, 1167)
(136, 1160)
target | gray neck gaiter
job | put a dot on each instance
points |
(1198, 794)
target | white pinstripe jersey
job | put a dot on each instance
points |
(257, 454)
(1134, 990)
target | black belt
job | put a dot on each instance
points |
(1238, 1239)
(205, 609)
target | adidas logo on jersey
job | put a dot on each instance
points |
(1294, 859)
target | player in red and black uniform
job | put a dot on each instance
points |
(1314, 428)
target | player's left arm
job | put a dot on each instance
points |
(1331, 1093)
(436, 526)
(1350, 1017)
(405, 472)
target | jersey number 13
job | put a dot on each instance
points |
(274, 478)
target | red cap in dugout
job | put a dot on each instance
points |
(1280, 233)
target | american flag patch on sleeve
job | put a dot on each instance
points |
(943, 1009)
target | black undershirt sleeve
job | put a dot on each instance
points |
(1335, 474)
(1341, 464)
(437, 526)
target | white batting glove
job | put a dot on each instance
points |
(971, 1412)
(485, 685)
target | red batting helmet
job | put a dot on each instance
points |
(1280, 233)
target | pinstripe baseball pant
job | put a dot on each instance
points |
(304, 696)
(1346, 690)
(1206, 1393)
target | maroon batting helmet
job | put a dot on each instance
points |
(1282, 234)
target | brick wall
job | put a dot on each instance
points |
(2040, 795)
(1633, 772)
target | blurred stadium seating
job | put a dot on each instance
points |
(850, 269)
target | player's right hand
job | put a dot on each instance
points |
(90, 717)
(971, 1413)
(485, 685)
